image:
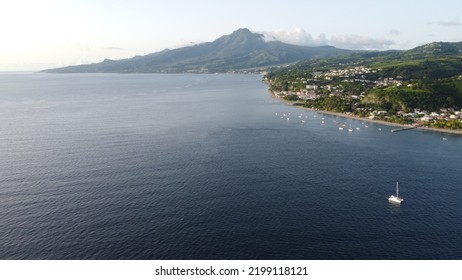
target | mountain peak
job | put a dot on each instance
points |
(246, 33)
(240, 36)
(242, 32)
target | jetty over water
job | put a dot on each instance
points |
(406, 128)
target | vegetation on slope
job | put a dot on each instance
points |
(395, 83)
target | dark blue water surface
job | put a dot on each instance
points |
(201, 167)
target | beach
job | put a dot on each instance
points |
(296, 104)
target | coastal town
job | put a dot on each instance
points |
(347, 89)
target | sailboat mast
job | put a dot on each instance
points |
(397, 189)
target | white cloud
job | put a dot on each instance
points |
(394, 32)
(298, 36)
(184, 43)
(448, 23)
(360, 42)
(113, 48)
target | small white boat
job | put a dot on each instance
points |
(340, 128)
(396, 199)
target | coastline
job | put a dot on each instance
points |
(343, 115)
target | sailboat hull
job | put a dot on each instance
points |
(395, 199)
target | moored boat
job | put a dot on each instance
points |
(396, 199)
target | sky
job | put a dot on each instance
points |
(41, 34)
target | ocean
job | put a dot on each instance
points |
(189, 166)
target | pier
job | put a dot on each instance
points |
(405, 128)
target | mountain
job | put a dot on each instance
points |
(240, 50)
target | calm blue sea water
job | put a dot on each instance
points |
(201, 167)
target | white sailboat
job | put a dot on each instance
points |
(396, 199)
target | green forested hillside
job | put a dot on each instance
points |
(426, 78)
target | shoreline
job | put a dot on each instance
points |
(343, 115)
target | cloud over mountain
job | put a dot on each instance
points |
(447, 23)
(360, 42)
(298, 36)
